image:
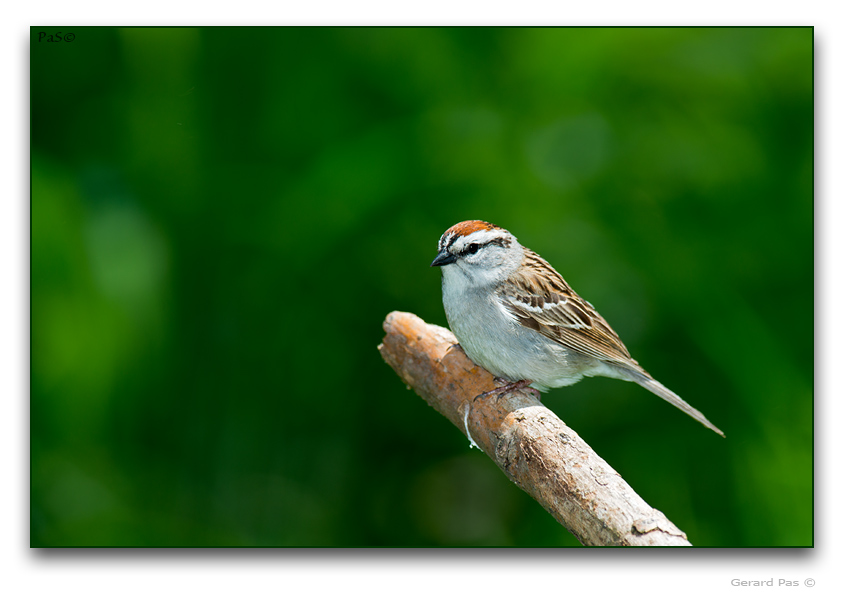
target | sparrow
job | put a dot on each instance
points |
(516, 317)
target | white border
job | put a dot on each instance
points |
(452, 570)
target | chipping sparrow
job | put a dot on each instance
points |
(515, 316)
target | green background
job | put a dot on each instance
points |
(223, 217)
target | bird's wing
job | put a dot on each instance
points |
(544, 302)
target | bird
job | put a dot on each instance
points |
(514, 315)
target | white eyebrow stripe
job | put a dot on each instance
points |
(481, 237)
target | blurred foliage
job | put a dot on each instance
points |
(223, 217)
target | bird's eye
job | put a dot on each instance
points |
(473, 248)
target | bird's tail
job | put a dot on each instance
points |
(649, 383)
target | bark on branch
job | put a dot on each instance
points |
(533, 447)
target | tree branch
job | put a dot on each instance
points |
(533, 447)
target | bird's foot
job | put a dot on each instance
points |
(507, 388)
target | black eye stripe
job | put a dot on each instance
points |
(474, 248)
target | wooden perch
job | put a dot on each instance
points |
(533, 447)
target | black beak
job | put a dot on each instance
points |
(443, 258)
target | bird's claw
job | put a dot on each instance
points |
(506, 389)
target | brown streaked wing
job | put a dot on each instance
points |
(547, 304)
